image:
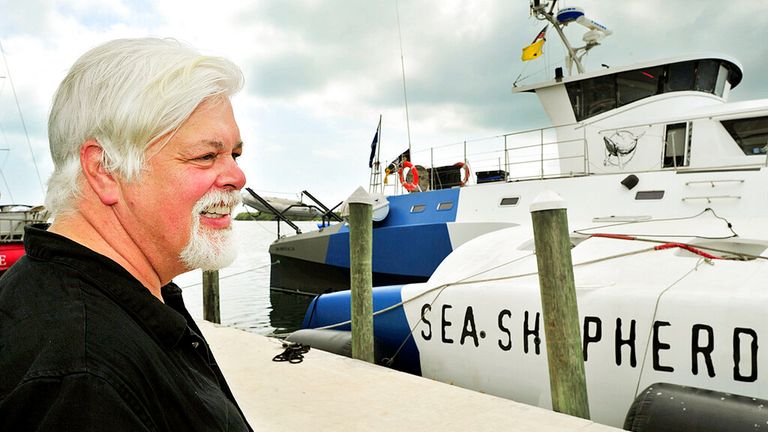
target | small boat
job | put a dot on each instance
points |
(13, 219)
(292, 209)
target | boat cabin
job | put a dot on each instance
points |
(667, 114)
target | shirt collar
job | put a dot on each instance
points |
(162, 321)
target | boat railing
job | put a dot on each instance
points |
(13, 219)
(524, 155)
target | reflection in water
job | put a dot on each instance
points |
(287, 311)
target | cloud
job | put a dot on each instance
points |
(319, 73)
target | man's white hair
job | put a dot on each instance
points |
(126, 94)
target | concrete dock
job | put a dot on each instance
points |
(327, 392)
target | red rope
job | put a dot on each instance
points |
(688, 248)
(662, 246)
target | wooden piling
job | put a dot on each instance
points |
(211, 310)
(558, 300)
(360, 270)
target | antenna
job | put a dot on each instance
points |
(402, 66)
(596, 31)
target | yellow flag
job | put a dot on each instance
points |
(533, 51)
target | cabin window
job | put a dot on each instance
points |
(597, 95)
(722, 77)
(751, 134)
(418, 208)
(706, 75)
(680, 76)
(511, 201)
(638, 84)
(649, 195)
(447, 205)
(677, 150)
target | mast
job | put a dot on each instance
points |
(562, 18)
(402, 67)
(375, 179)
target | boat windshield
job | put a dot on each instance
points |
(593, 96)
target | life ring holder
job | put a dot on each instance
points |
(466, 171)
(414, 184)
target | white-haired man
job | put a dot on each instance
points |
(93, 333)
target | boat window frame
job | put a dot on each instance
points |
(739, 138)
(685, 152)
(444, 206)
(418, 208)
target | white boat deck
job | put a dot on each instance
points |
(327, 392)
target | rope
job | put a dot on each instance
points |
(653, 318)
(235, 274)
(294, 353)
(729, 225)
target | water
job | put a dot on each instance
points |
(246, 301)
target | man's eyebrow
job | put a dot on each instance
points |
(220, 145)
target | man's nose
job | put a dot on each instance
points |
(231, 177)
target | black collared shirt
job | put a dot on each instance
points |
(85, 347)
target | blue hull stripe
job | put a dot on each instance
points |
(414, 250)
(405, 243)
(390, 328)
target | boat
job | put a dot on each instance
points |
(663, 181)
(13, 219)
(290, 208)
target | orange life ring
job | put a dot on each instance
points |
(466, 171)
(414, 184)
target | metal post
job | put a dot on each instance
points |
(506, 159)
(360, 270)
(431, 167)
(211, 311)
(558, 300)
(541, 134)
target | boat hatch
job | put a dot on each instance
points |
(510, 201)
(649, 195)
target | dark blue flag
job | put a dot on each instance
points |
(374, 143)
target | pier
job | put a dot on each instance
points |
(327, 392)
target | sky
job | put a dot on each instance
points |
(319, 73)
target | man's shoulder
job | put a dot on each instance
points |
(58, 324)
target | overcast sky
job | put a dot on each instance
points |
(319, 73)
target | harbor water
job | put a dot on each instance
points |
(245, 298)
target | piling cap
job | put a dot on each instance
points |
(360, 196)
(547, 200)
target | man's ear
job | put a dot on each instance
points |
(101, 182)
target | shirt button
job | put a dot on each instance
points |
(195, 344)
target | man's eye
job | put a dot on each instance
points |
(207, 157)
(236, 155)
